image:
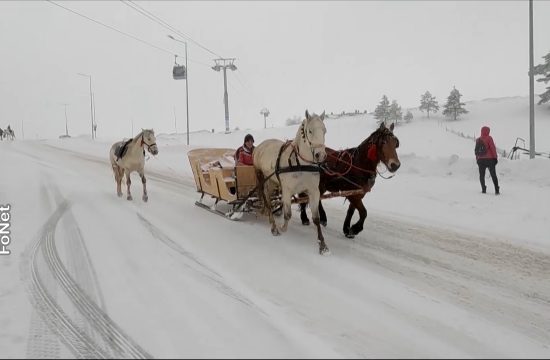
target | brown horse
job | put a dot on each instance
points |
(355, 169)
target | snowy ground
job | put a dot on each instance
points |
(440, 270)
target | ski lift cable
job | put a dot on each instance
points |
(110, 27)
(164, 24)
(123, 33)
(238, 75)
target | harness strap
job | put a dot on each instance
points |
(300, 168)
(278, 163)
(291, 168)
(346, 178)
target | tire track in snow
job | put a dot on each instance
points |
(120, 343)
(498, 281)
(72, 336)
(203, 271)
(81, 267)
(42, 341)
(78, 341)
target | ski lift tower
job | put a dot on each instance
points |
(225, 64)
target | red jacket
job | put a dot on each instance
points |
(489, 143)
(244, 156)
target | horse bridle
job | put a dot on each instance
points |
(148, 145)
(384, 136)
(312, 145)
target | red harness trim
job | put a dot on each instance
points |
(372, 153)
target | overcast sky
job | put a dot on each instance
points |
(319, 55)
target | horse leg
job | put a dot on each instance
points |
(265, 193)
(322, 214)
(304, 218)
(358, 226)
(287, 209)
(128, 183)
(267, 198)
(347, 221)
(145, 197)
(303, 214)
(118, 179)
(314, 201)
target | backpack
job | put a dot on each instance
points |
(481, 148)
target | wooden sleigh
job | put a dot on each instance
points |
(234, 185)
(223, 181)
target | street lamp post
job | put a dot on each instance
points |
(186, 83)
(229, 65)
(91, 102)
(66, 121)
(94, 126)
(531, 86)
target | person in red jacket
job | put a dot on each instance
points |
(243, 155)
(487, 160)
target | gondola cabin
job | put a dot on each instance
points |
(179, 72)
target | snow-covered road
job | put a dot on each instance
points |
(168, 279)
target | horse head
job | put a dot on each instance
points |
(150, 141)
(311, 138)
(382, 147)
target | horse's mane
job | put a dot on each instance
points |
(375, 137)
(143, 132)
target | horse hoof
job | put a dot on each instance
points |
(145, 198)
(324, 223)
(305, 222)
(324, 251)
(119, 194)
(350, 236)
(129, 198)
(275, 232)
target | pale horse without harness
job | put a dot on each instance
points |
(293, 167)
(129, 156)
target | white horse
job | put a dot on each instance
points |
(129, 156)
(292, 167)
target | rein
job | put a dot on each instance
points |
(350, 163)
(384, 177)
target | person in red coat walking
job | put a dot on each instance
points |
(487, 159)
(243, 155)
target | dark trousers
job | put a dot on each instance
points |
(491, 164)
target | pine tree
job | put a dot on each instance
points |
(428, 103)
(544, 70)
(395, 113)
(382, 111)
(408, 116)
(453, 107)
